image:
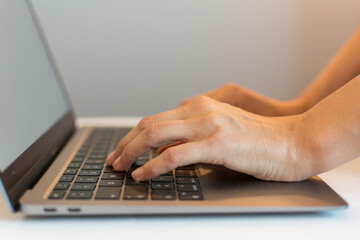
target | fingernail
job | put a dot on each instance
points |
(111, 155)
(137, 173)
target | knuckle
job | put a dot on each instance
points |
(229, 86)
(232, 86)
(200, 104)
(204, 102)
(151, 130)
(144, 122)
(172, 156)
(214, 118)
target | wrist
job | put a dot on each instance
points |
(296, 163)
(310, 142)
(284, 157)
(291, 107)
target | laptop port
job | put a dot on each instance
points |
(74, 209)
(50, 209)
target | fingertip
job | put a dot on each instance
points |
(110, 158)
(138, 174)
(116, 164)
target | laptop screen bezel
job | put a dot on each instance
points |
(25, 170)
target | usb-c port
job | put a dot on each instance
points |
(50, 210)
(74, 209)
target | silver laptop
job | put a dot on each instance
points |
(48, 167)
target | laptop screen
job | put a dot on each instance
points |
(36, 118)
(31, 100)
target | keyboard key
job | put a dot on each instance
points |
(108, 193)
(97, 156)
(83, 187)
(86, 179)
(140, 162)
(190, 196)
(74, 165)
(135, 193)
(109, 169)
(188, 188)
(56, 194)
(92, 167)
(80, 154)
(182, 180)
(101, 148)
(62, 186)
(129, 172)
(162, 195)
(85, 146)
(154, 153)
(185, 173)
(163, 179)
(70, 171)
(130, 181)
(144, 156)
(110, 183)
(79, 195)
(89, 173)
(113, 176)
(66, 178)
(95, 161)
(162, 186)
(78, 159)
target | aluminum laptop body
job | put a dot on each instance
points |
(39, 140)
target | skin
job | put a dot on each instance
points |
(250, 133)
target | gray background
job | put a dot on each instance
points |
(140, 57)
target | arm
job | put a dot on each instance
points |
(344, 67)
(289, 148)
(331, 129)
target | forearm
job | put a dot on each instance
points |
(251, 101)
(330, 134)
(265, 106)
(343, 67)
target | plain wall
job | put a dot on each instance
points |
(140, 57)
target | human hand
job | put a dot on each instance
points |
(216, 133)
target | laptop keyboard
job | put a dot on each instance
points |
(88, 177)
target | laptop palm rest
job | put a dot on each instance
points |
(236, 189)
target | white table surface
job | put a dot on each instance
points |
(344, 224)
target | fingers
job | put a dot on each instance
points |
(171, 158)
(155, 135)
(144, 123)
(181, 124)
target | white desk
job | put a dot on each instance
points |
(331, 225)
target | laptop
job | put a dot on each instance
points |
(49, 167)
